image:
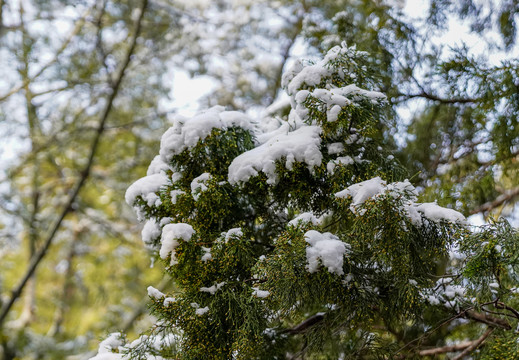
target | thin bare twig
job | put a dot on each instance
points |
(446, 349)
(475, 344)
(64, 45)
(498, 201)
(36, 260)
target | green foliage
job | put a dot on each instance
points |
(249, 284)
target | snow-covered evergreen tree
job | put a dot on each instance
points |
(299, 237)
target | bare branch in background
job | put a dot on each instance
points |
(36, 260)
(79, 24)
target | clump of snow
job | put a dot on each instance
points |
(436, 213)
(343, 160)
(174, 195)
(168, 301)
(187, 132)
(176, 176)
(207, 254)
(301, 145)
(213, 289)
(199, 311)
(363, 191)
(333, 113)
(335, 148)
(202, 311)
(300, 76)
(198, 185)
(150, 231)
(114, 342)
(171, 233)
(306, 217)
(374, 187)
(325, 247)
(157, 166)
(444, 293)
(233, 233)
(146, 188)
(114, 347)
(260, 293)
(155, 293)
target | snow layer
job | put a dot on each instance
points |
(157, 166)
(363, 191)
(231, 233)
(187, 132)
(201, 311)
(260, 293)
(171, 233)
(306, 217)
(198, 185)
(301, 145)
(113, 342)
(342, 160)
(374, 187)
(146, 188)
(446, 294)
(325, 247)
(150, 231)
(155, 293)
(175, 194)
(299, 76)
(207, 254)
(212, 289)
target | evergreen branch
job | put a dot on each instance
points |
(129, 323)
(38, 257)
(501, 305)
(500, 200)
(475, 344)
(487, 319)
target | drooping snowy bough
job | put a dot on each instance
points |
(299, 235)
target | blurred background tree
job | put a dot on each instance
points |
(85, 95)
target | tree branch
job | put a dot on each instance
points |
(305, 325)
(466, 347)
(500, 200)
(446, 349)
(26, 82)
(16, 292)
(475, 344)
(487, 319)
(424, 95)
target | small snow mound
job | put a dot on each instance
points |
(260, 293)
(187, 132)
(301, 145)
(150, 231)
(146, 188)
(436, 213)
(171, 233)
(306, 217)
(114, 342)
(155, 293)
(363, 191)
(231, 233)
(212, 289)
(325, 247)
